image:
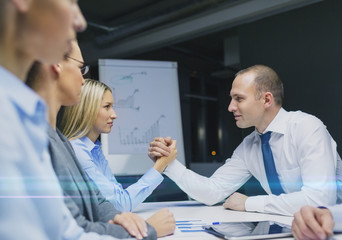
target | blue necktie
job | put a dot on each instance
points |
(271, 173)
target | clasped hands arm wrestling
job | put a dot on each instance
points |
(161, 147)
(163, 221)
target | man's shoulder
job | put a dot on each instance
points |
(299, 118)
(7, 106)
(11, 117)
(14, 134)
(302, 126)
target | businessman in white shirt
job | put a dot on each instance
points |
(291, 154)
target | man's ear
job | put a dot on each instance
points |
(56, 69)
(22, 5)
(268, 99)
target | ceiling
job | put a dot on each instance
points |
(125, 28)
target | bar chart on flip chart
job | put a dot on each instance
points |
(146, 100)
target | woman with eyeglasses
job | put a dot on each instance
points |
(84, 68)
(82, 124)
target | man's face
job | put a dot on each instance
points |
(247, 109)
(49, 27)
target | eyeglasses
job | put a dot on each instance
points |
(84, 69)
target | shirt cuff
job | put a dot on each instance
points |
(255, 204)
(152, 178)
(174, 170)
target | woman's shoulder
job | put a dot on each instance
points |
(81, 148)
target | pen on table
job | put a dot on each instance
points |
(218, 223)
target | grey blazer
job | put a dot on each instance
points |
(85, 202)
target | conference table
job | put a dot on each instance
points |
(200, 214)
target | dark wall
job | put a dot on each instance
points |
(305, 47)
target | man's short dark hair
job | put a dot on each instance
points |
(266, 80)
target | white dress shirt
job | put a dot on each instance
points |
(305, 157)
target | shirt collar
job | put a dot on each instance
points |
(279, 123)
(89, 143)
(20, 94)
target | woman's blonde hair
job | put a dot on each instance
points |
(78, 120)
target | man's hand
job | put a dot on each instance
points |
(312, 223)
(163, 222)
(164, 161)
(236, 201)
(134, 224)
(159, 148)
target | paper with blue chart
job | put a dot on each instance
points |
(146, 100)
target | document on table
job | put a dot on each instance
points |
(190, 225)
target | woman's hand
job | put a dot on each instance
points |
(134, 224)
(159, 147)
(163, 222)
(162, 162)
